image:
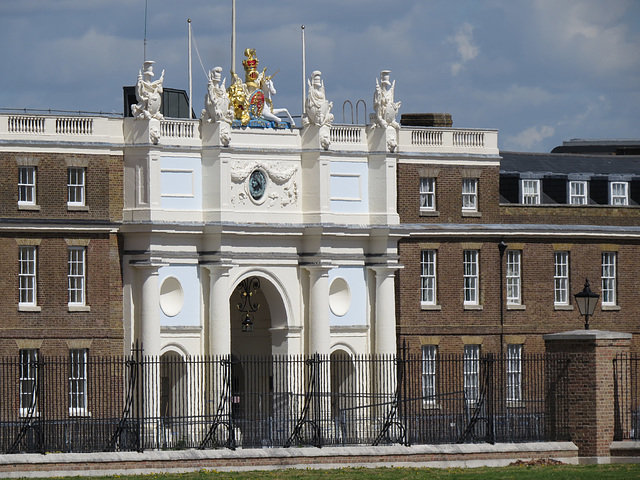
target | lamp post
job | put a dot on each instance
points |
(586, 301)
(247, 288)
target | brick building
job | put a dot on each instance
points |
(563, 217)
(59, 247)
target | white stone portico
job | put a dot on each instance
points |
(310, 213)
(319, 240)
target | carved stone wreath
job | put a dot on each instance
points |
(280, 173)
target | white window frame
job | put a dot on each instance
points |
(27, 185)
(619, 193)
(429, 385)
(471, 276)
(471, 372)
(514, 373)
(609, 284)
(428, 279)
(427, 194)
(530, 191)
(28, 381)
(76, 180)
(27, 276)
(77, 275)
(78, 382)
(514, 277)
(469, 194)
(561, 278)
(578, 192)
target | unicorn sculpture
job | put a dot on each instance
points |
(269, 89)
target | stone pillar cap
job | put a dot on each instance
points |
(588, 335)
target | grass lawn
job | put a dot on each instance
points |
(599, 472)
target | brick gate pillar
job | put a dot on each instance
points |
(591, 385)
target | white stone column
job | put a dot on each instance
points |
(385, 310)
(149, 336)
(219, 311)
(319, 334)
(149, 316)
(385, 338)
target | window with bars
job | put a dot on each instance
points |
(76, 186)
(609, 294)
(471, 372)
(26, 185)
(78, 382)
(76, 275)
(427, 194)
(530, 192)
(429, 374)
(514, 277)
(470, 194)
(514, 373)
(27, 275)
(561, 278)
(428, 277)
(471, 277)
(619, 193)
(578, 192)
(28, 381)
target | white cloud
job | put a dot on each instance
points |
(467, 51)
(592, 37)
(525, 140)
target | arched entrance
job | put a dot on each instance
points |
(252, 371)
(344, 395)
(173, 400)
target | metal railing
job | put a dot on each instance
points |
(171, 402)
(626, 386)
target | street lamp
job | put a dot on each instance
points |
(586, 301)
(247, 288)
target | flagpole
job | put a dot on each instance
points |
(190, 75)
(144, 54)
(233, 36)
(304, 73)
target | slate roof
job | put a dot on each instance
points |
(566, 163)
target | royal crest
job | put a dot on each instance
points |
(252, 99)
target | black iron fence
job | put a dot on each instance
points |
(626, 388)
(171, 402)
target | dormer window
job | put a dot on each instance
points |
(530, 192)
(577, 192)
(619, 193)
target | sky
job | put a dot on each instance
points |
(539, 71)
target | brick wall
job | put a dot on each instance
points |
(539, 316)
(53, 227)
(591, 386)
(448, 194)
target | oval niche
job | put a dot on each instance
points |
(339, 297)
(171, 296)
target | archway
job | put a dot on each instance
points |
(252, 355)
(344, 395)
(173, 399)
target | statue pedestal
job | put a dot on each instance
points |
(216, 134)
(382, 139)
(316, 137)
(142, 132)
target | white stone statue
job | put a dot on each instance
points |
(384, 106)
(148, 94)
(318, 109)
(386, 109)
(217, 105)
